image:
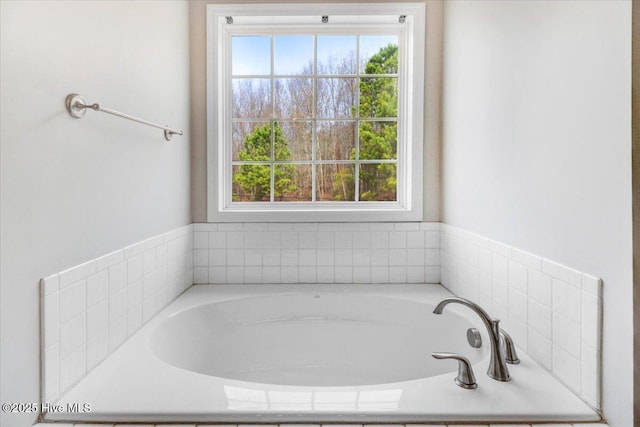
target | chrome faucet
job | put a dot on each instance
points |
(497, 367)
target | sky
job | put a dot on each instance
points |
(251, 55)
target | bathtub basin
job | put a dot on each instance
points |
(311, 354)
(313, 339)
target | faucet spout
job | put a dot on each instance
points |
(497, 366)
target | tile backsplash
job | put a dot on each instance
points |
(317, 253)
(553, 312)
(91, 309)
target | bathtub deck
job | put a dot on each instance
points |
(133, 385)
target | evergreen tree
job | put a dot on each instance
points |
(255, 180)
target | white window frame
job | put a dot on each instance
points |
(342, 16)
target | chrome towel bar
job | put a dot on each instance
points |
(77, 107)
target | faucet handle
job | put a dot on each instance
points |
(509, 348)
(465, 378)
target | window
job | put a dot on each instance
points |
(315, 112)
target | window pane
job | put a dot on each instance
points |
(251, 98)
(335, 182)
(336, 98)
(251, 55)
(293, 55)
(294, 98)
(379, 97)
(378, 182)
(292, 183)
(378, 140)
(251, 183)
(336, 54)
(336, 140)
(296, 140)
(379, 54)
(251, 141)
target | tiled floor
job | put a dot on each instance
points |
(328, 425)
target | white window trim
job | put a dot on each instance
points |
(409, 205)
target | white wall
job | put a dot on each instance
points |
(72, 189)
(537, 146)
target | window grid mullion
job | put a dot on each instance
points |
(314, 130)
(272, 171)
(356, 172)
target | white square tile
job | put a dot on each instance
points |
(271, 239)
(499, 268)
(432, 257)
(540, 318)
(362, 239)
(235, 257)
(51, 319)
(397, 257)
(343, 274)
(201, 257)
(518, 304)
(252, 239)
(289, 240)
(252, 257)
(307, 239)
(380, 239)
(563, 273)
(540, 287)
(280, 226)
(380, 257)
(416, 257)
(361, 274)
(415, 274)
(432, 274)
(49, 284)
(406, 226)
(234, 240)
(590, 369)
(148, 309)
(416, 239)
(217, 240)
(592, 285)
(343, 257)
(151, 284)
(530, 260)
(218, 274)
(500, 294)
(134, 319)
(97, 319)
(51, 372)
(117, 333)
(97, 287)
(289, 274)
(75, 274)
(235, 275)
(325, 239)
(500, 248)
(200, 240)
(398, 239)
(201, 275)
(566, 368)
(518, 276)
(307, 257)
(361, 257)
(343, 240)
(97, 349)
(566, 334)
(540, 349)
(73, 334)
(134, 250)
(72, 368)
(567, 300)
(270, 274)
(162, 255)
(117, 277)
(379, 274)
(307, 274)
(325, 274)
(117, 306)
(73, 301)
(591, 319)
(109, 260)
(149, 261)
(217, 257)
(432, 239)
(397, 274)
(289, 257)
(305, 226)
(253, 274)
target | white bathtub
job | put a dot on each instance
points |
(321, 353)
